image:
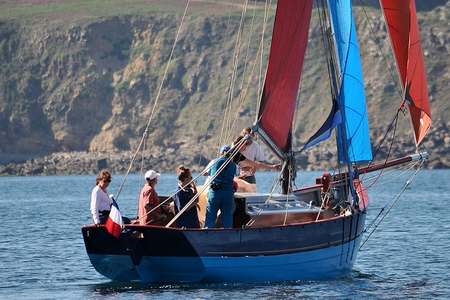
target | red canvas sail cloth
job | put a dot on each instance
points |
(404, 32)
(289, 41)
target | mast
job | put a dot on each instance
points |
(341, 133)
(335, 116)
(353, 139)
(288, 169)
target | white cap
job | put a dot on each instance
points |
(150, 174)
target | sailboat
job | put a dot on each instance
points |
(318, 230)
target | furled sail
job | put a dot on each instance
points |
(287, 52)
(353, 134)
(403, 29)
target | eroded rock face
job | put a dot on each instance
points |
(91, 86)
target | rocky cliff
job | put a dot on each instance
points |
(84, 81)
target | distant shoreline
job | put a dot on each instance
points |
(88, 163)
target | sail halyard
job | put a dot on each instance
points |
(278, 101)
(401, 20)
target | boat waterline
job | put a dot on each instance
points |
(326, 263)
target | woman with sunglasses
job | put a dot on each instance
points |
(100, 201)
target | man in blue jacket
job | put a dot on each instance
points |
(220, 195)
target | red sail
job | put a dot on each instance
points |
(404, 32)
(289, 41)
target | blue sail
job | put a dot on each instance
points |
(353, 142)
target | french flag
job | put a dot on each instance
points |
(114, 223)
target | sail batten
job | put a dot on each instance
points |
(401, 20)
(287, 52)
(353, 134)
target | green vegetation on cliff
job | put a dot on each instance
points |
(83, 75)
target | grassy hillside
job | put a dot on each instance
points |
(84, 75)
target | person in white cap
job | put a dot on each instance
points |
(148, 200)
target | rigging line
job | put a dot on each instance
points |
(275, 184)
(220, 141)
(143, 154)
(391, 125)
(326, 19)
(247, 51)
(267, 7)
(243, 92)
(327, 39)
(390, 148)
(380, 51)
(221, 138)
(325, 198)
(352, 150)
(411, 166)
(258, 118)
(189, 183)
(287, 197)
(346, 151)
(156, 100)
(208, 182)
(349, 147)
(243, 95)
(173, 194)
(395, 200)
(393, 173)
(321, 15)
(223, 131)
(236, 53)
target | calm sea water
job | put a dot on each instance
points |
(42, 254)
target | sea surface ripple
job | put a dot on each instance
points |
(42, 255)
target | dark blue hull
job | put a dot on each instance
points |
(318, 264)
(310, 251)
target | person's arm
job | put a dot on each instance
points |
(261, 165)
(94, 207)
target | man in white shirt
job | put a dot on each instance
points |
(253, 152)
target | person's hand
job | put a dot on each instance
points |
(276, 166)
